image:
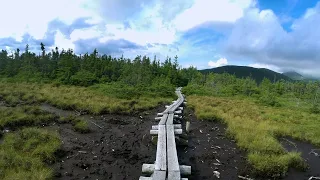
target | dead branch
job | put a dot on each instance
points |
(96, 124)
(312, 177)
(312, 152)
(245, 178)
(294, 144)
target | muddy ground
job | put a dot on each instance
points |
(209, 150)
(116, 151)
(309, 153)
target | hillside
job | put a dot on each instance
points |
(294, 75)
(244, 71)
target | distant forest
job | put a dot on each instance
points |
(66, 67)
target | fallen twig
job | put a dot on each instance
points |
(312, 152)
(68, 157)
(294, 144)
(96, 124)
(241, 177)
(312, 177)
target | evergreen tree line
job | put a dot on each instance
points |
(84, 70)
(267, 92)
(68, 68)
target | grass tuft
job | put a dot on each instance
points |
(82, 126)
(256, 127)
(111, 98)
(23, 154)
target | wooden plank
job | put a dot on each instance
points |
(159, 175)
(173, 164)
(156, 131)
(161, 155)
(145, 178)
(170, 119)
(174, 175)
(163, 119)
(176, 126)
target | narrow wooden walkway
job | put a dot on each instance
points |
(166, 166)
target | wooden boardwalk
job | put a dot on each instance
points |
(166, 166)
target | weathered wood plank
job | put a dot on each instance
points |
(159, 175)
(174, 175)
(176, 126)
(173, 164)
(156, 131)
(161, 155)
(149, 169)
(170, 119)
(163, 119)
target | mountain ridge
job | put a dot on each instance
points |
(258, 74)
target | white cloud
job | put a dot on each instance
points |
(211, 10)
(267, 66)
(251, 34)
(260, 37)
(62, 42)
(218, 63)
(34, 15)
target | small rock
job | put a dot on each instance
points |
(216, 174)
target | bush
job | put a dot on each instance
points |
(315, 109)
(83, 78)
(269, 99)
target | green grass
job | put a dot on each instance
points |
(79, 125)
(25, 153)
(14, 117)
(95, 100)
(82, 126)
(256, 127)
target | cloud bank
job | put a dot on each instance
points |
(198, 31)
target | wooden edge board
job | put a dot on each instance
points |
(161, 154)
(172, 161)
(163, 119)
(170, 119)
(174, 175)
(159, 175)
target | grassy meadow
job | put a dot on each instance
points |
(25, 153)
(95, 100)
(257, 127)
(28, 148)
(256, 112)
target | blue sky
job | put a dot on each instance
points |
(280, 35)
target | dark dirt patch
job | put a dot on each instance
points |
(117, 151)
(209, 150)
(309, 153)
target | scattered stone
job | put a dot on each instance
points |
(216, 174)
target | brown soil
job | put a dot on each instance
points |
(309, 153)
(209, 150)
(117, 151)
